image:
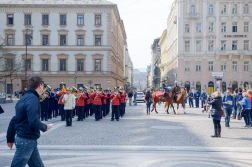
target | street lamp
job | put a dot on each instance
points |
(26, 39)
(5, 77)
(75, 80)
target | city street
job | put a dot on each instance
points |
(139, 140)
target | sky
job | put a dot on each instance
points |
(144, 21)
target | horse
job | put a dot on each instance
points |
(179, 100)
(168, 99)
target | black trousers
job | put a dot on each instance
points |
(91, 110)
(115, 111)
(104, 110)
(122, 111)
(50, 114)
(62, 113)
(97, 110)
(55, 112)
(44, 115)
(108, 107)
(68, 114)
(85, 111)
(216, 124)
(80, 112)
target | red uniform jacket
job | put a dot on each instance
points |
(123, 98)
(105, 99)
(97, 100)
(90, 99)
(80, 102)
(116, 100)
(61, 97)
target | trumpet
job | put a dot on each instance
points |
(44, 93)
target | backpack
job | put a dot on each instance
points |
(232, 98)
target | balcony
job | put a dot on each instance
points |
(235, 52)
(192, 16)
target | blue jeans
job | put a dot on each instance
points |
(202, 103)
(148, 108)
(26, 153)
(228, 112)
(247, 117)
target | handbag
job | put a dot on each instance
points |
(150, 100)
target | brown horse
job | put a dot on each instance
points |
(168, 99)
(179, 100)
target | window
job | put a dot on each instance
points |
(27, 19)
(235, 65)
(198, 27)
(62, 19)
(210, 45)
(223, 45)
(187, 46)
(198, 66)
(210, 10)
(99, 85)
(80, 40)
(10, 19)
(187, 66)
(79, 86)
(45, 19)
(62, 40)
(193, 10)
(223, 66)
(97, 64)
(28, 39)
(9, 65)
(223, 27)
(98, 40)
(45, 40)
(97, 19)
(234, 45)
(211, 27)
(210, 66)
(187, 28)
(10, 39)
(80, 65)
(246, 26)
(198, 45)
(234, 10)
(45, 65)
(80, 20)
(62, 64)
(224, 9)
(28, 63)
(9, 89)
(246, 65)
(234, 27)
(246, 45)
(246, 9)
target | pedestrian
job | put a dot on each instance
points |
(69, 105)
(130, 95)
(135, 96)
(190, 95)
(80, 97)
(108, 101)
(250, 113)
(115, 97)
(246, 106)
(97, 103)
(237, 99)
(26, 126)
(148, 103)
(16, 94)
(61, 104)
(51, 103)
(196, 96)
(216, 113)
(203, 98)
(123, 101)
(228, 105)
(208, 107)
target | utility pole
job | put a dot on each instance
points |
(26, 54)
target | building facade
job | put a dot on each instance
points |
(209, 44)
(128, 71)
(155, 62)
(72, 41)
(148, 78)
(163, 46)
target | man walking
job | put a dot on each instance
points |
(26, 124)
(196, 96)
(190, 95)
(203, 98)
(238, 97)
(69, 105)
(130, 95)
(227, 102)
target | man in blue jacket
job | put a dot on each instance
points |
(228, 105)
(238, 97)
(26, 125)
(190, 95)
(196, 96)
(203, 98)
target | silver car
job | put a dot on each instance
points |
(140, 96)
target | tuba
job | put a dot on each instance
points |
(42, 97)
(74, 90)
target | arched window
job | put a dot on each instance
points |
(234, 86)
(210, 9)
(187, 86)
(245, 85)
(210, 87)
(234, 10)
(246, 9)
(193, 9)
(198, 86)
(224, 86)
(224, 9)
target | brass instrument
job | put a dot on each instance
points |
(115, 96)
(44, 93)
(78, 97)
(74, 90)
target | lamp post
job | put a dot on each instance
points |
(26, 38)
(5, 77)
(75, 80)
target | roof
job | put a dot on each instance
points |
(55, 2)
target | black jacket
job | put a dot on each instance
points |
(26, 123)
(147, 98)
(130, 95)
(216, 106)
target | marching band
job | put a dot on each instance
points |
(84, 102)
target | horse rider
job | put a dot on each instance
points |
(164, 88)
(175, 95)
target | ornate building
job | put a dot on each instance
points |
(155, 62)
(209, 44)
(78, 42)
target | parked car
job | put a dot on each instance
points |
(140, 96)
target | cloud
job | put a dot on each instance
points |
(144, 20)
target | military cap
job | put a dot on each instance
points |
(68, 88)
(80, 88)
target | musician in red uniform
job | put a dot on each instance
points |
(104, 103)
(97, 103)
(80, 97)
(61, 105)
(115, 97)
(90, 106)
(123, 101)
